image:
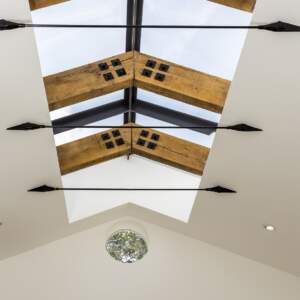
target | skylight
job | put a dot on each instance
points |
(213, 52)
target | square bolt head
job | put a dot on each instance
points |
(144, 133)
(120, 142)
(116, 62)
(109, 145)
(155, 137)
(103, 66)
(152, 146)
(108, 76)
(151, 64)
(105, 136)
(160, 77)
(164, 67)
(141, 142)
(116, 133)
(121, 72)
(147, 73)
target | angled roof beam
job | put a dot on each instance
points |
(181, 83)
(149, 143)
(92, 150)
(245, 5)
(36, 4)
(89, 81)
(170, 150)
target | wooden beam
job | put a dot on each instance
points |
(36, 4)
(92, 150)
(181, 83)
(170, 150)
(87, 82)
(245, 5)
(156, 145)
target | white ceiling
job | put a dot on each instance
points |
(262, 167)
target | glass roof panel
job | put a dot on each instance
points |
(81, 106)
(62, 49)
(177, 105)
(212, 51)
(78, 133)
(135, 172)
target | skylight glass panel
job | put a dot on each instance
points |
(177, 105)
(214, 52)
(136, 172)
(85, 105)
(78, 133)
(62, 49)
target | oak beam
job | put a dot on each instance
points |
(155, 145)
(37, 4)
(245, 5)
(170, 150)
(92, 150)
(181, 83)
(88, 81)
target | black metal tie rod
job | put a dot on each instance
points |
(277, 26)
(32, 126)
(216, 189)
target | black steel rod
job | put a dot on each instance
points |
(140, 26)
(32, 126)
(215, 189)
(277, 26)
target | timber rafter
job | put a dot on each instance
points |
(139, 70)
(245, 5)
(148, 143)
(37, 4)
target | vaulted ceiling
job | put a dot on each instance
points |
(244, 162)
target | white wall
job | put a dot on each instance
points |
(176, 267)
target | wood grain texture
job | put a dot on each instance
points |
(184, 84)
(172, 151)
(36, 4)
(169, 150)
(90, 151)
(87, 82)
(245, 5)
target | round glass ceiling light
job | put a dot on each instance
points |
(126, 246)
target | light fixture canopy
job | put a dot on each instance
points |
(126, 246)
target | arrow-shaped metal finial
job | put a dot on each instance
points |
(220, 190)
(243, 127)
(280, 27)
(27, 126)
(8, 25)
(43, 189)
